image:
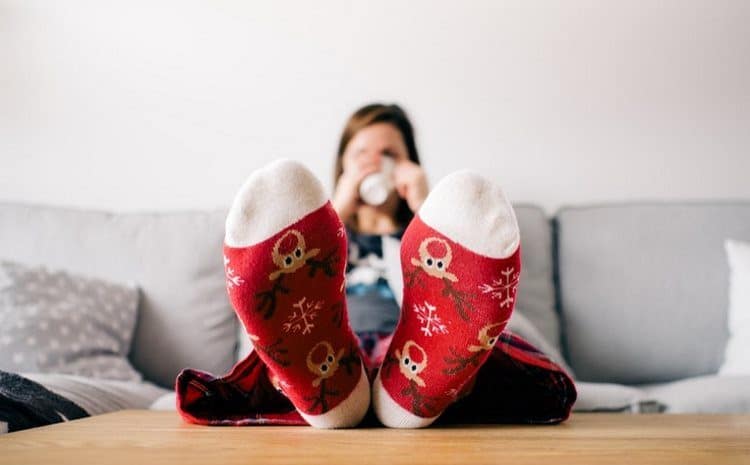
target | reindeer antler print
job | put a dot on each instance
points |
(338, 314)
(267, 303)
(460, 299)
(350, 360)
(322, 398)
(458, 363)
(487, 339)
(327, 265)
(421, 404)
(388, 363)
(274, 351)
(414, 277)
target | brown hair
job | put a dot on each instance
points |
(367, 116)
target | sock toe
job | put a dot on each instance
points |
(271, 199)
(474, 212)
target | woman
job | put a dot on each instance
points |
(426, 347)
(375, 132)
(374, 136)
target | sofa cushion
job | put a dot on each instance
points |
(97, 396)
(643, 288)
(58, 322)
(175, 258)
(536, 291)
(606, 397)
(703, 394)
(524, 328)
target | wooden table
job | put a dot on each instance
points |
(144, 437)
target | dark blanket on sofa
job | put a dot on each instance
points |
(517, 384)
(27, 404)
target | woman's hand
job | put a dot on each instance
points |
(411, 183)
(346, 195)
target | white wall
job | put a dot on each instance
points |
(170, 104)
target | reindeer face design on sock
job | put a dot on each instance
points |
(435, 257)
(412, 362)
(290, 253)
(323, 361)
(487, 337)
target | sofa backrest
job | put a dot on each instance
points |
(643, 288)
(184, 317)
(536, 291)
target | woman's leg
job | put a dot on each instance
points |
(517, 384)
(461, 263)
(244, 396)
(284, 256)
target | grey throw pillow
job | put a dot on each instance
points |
(56, 322)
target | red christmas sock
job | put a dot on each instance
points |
(284, 256)
(461, 261)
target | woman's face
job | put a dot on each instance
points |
(373, 142)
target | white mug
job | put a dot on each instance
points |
(374, 189)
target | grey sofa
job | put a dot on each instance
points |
(634, 296)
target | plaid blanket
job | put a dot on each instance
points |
(27, 404)
(517, 384)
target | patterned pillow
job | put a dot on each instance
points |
(57, 322)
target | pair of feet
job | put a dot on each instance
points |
(285, 258)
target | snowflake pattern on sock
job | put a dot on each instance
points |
(503, 288)
(301, 319)
(232, 279)
(427, 316)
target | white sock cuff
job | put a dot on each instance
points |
(471, 210)
(349, 412)
(272, 198)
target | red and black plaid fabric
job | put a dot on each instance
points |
(517, 384)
